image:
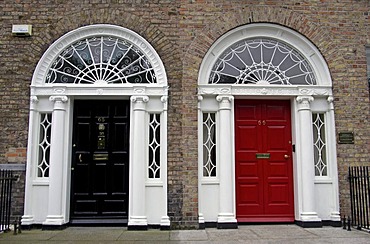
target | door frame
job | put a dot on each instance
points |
(47, 199)
(305, 99)
(98, 220)
(291, 173)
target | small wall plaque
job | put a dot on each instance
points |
(346, 138)
(22, 30)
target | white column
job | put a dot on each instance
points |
(165, 220)
(201, 220)
(332, 160)
(27, 218)
(55, 214)
(306, 160)
(226, 217)
(137, 216)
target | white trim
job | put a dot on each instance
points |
(93, 30)
(260, 30)
(207, 93)
(38, 193)
(269, 90)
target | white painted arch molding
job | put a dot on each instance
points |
(267, 30)
(98, 30)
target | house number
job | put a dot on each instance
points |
(101, 142)
(101, 136)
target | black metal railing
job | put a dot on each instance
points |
(6, 183)
(359, 182)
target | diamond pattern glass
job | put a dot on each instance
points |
(154, 146)
(321, 165)
(209, 144)
(44, 146)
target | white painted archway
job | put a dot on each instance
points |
(48, 194)
(217, 191)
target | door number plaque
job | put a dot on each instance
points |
(262, 155)
(101, 136)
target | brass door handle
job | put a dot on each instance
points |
(286, 156)
(80, 158)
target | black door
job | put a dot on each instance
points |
(100, 161)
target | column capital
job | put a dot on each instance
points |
(59, 102)
(137, 99)
(33, 102)
(330, 100)
(164, 100)
(58, 98)
(139, 102)
(224, 98)
(34, 99)
(304, 102)
(200, 99)
(224, 101)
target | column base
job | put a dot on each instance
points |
(310, 217)
(27, 220)
(201, 222)
(165, 223)
(227, 221)
(335, 217)
(309, 220)
(137, 223)
(53, 220)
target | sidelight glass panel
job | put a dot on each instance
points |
(44, 146)
(154, 146)
(319, 139)
(209, 144)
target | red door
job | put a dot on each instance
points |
(264, 171)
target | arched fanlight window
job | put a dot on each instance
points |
(101, 60)
(261, 61)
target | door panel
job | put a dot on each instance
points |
(264, 173)
(99, 189)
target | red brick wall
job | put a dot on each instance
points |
(182, 32)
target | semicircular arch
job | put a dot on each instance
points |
(258, 31)
(117, 33)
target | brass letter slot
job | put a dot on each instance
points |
(100, 156)
(262, 155)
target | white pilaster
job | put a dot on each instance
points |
(165, 220)
(306, 160)
(137, 218)
(226, 212)
(27, 218)
(332, 160)
(201, 220)
(55, 214)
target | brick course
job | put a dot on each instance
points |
(182, 32)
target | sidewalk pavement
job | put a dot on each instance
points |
(244, 234)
